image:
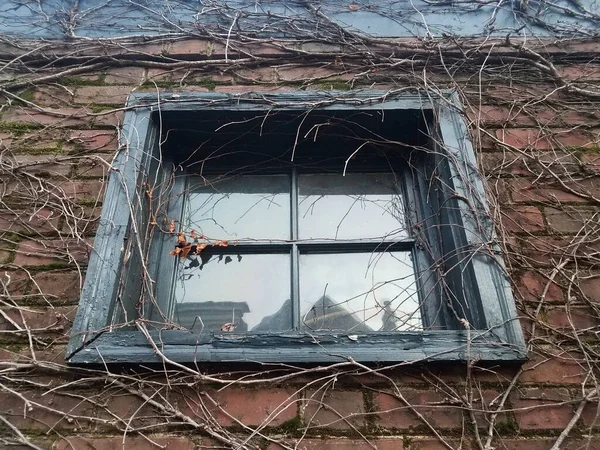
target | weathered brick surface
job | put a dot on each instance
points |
(56, 285)
(43, 251)
(571, 220)
(537, 156)
(102, 95)
(524, 219)
(54, 319)
(392, 443)
(96, 140)
(125, 75)
(533, 286)
(433, 407)
(270, 407)
(121, 442)
(573, 318)
(560, 368)
(32, 221)
(539, 409)
(334, 409)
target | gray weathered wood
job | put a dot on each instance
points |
(93, 342)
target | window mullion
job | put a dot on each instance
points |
(295, 294)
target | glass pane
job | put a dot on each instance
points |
(234, 293)
(351, 207)
(358, 292)
(243, 207)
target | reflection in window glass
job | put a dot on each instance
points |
(244, 207)
(234, 292)
(355, 206)
(358, 292)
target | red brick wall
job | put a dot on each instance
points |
(538, 141)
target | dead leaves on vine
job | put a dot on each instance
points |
(183, 248)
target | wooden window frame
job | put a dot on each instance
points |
(468, 226)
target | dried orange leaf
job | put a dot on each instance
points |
(220, 243)
(176, 251)
(172, 226)
(185, 251)
(228, 327)
(353, 7)
(181, 238)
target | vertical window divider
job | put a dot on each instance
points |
(295, 295)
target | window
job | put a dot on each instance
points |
(302, 227)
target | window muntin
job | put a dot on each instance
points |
(311, 252)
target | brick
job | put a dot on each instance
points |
(334, 409)
(485, 403)
(419, 443)
(121, 442)
(337, 443)
(542, 409)
(591, 288)
(532, 285)
(572, 318)
(46, 320)
(192, 47)
(55, 96)
(542, 140)
(512, 116)
(581, 73)
(529, 443)
(543, 251)
(557, 367)
(503, 163)
(591, 161)
(523, 219)
(130, 409)
(14, 283)
(533, 163)
(527, 190)
(44, 251)
(96, 140)
(5, 140)
(46, 411)
(42, 165)
(571, 220)
(125, 75)
(32, 221)
(188, 76)
(270, 407)
(96, 166)
(89, 190)
(108, 119)
(84, 218)
(437, 410)
(591, 414)
(56, 285)
(60, 117)
(102, 95)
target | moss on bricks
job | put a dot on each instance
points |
(208, 83)
(76, 81)
(291, 426)
(19, 128)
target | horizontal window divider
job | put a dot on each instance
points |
(354, 246)
(312, 246)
